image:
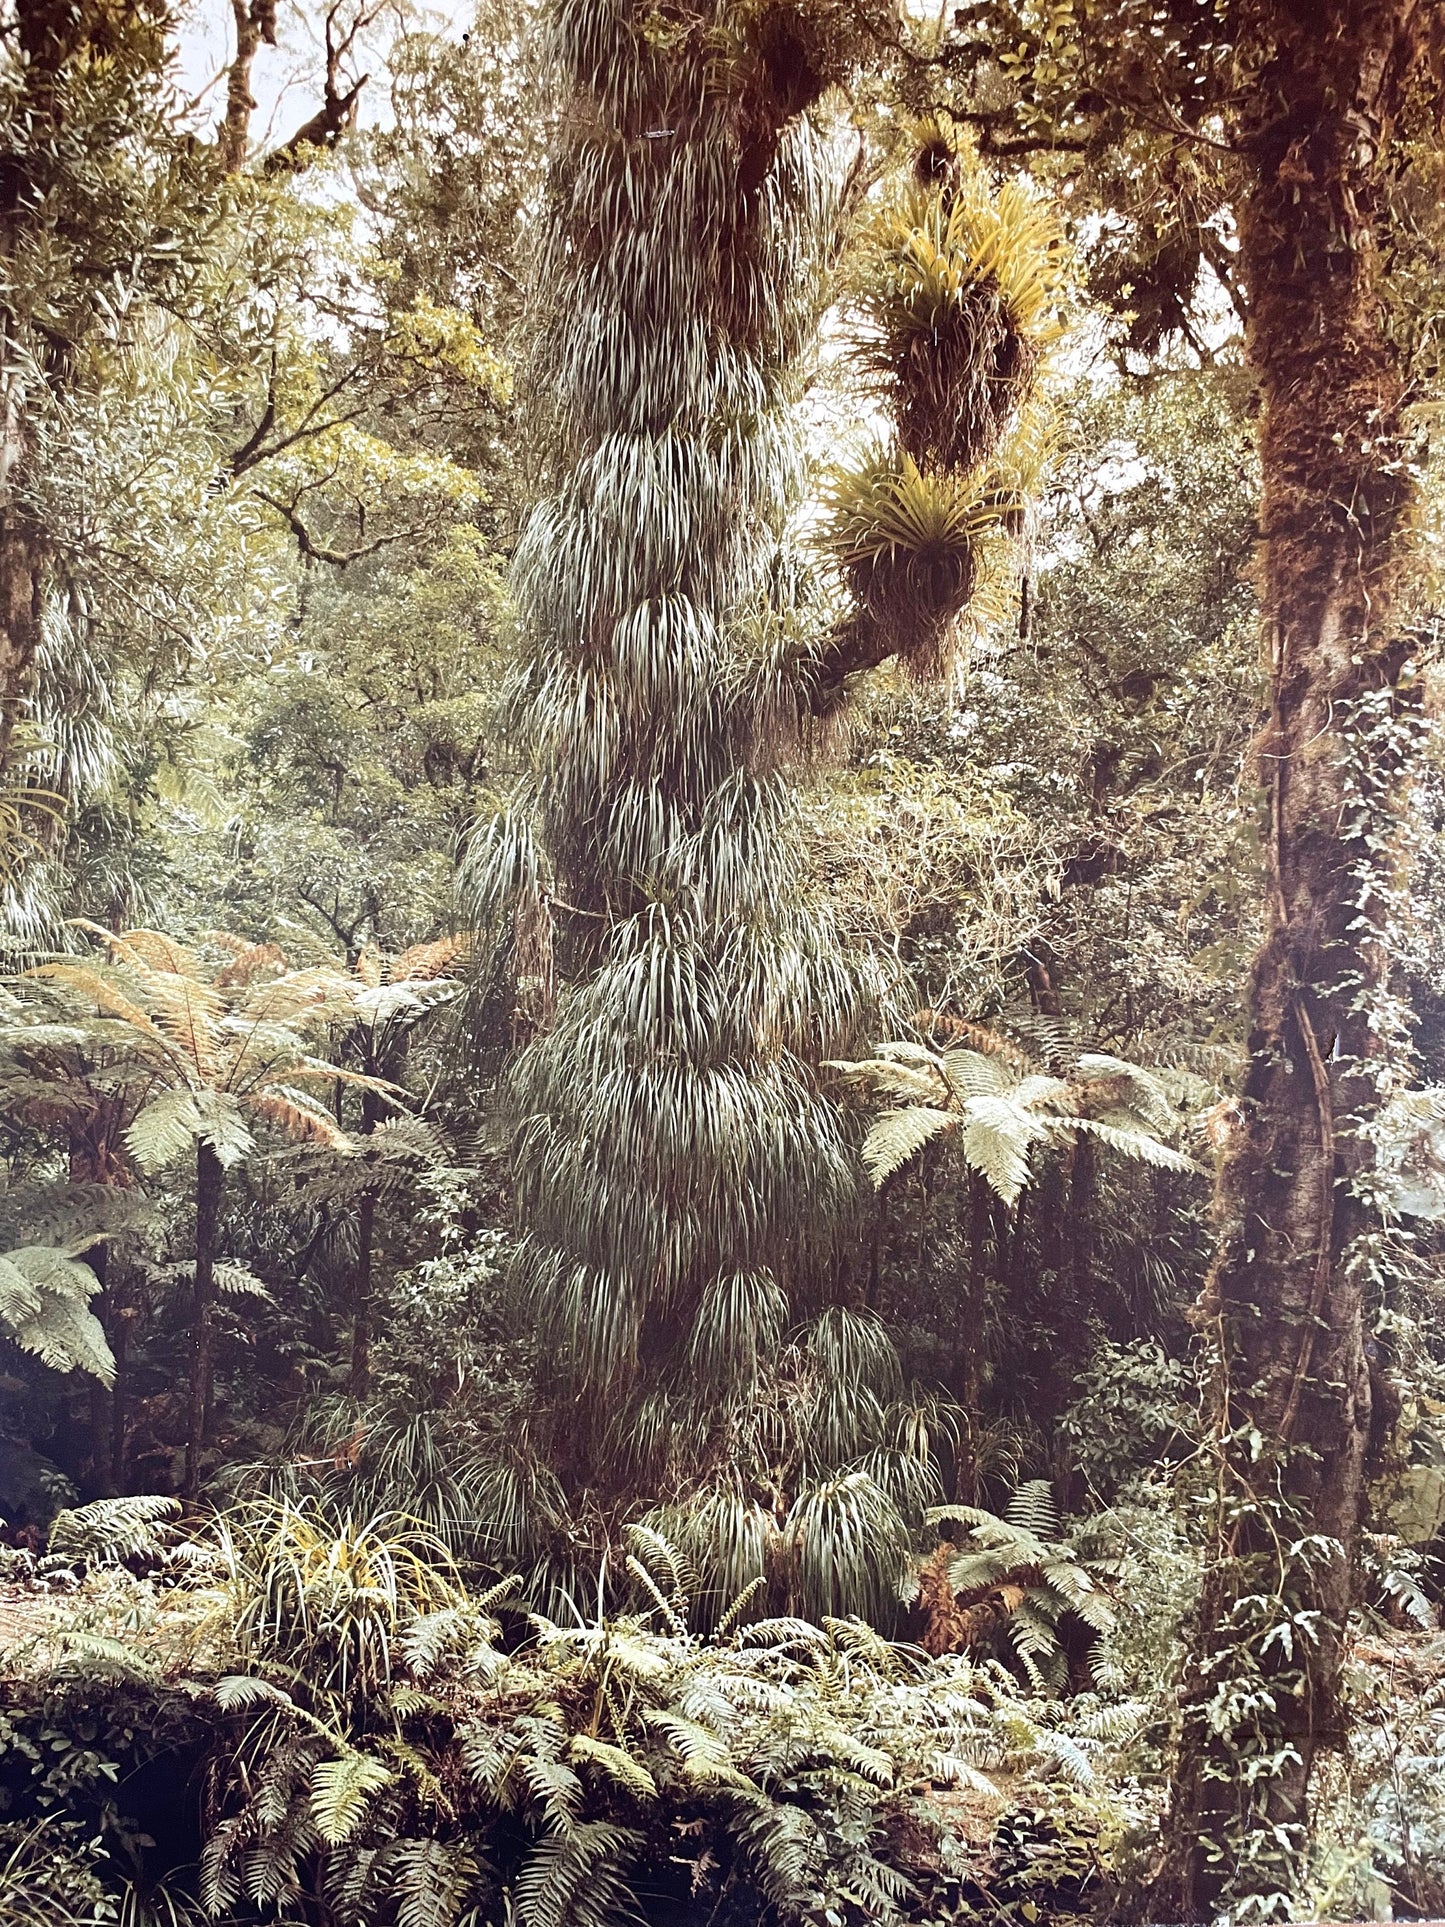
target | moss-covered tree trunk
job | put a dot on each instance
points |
(1289, 1295)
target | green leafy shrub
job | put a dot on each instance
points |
(48, 1878)
(1134, 1405)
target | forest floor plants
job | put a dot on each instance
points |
(613, 1767)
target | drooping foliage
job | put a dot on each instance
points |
(672, 1138)
(957, 301)
(681, 1182)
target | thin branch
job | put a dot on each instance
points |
(252, 452)
(338, 104)
(315, 551)
(1222, 262)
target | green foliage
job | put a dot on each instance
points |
(772, 1763)
(1022, 1563)
(262, 452)
(327, 1596)
(669, 1135)
(109, 1531)
(47, 1879)
(1135, 1407)
(1382, 1821)
(998, 1106)
(216, 1041)
(45, 1309)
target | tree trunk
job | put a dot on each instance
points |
(255, 22)
(975, 1305)
(1287, 1298)
(102, 1398)
(210, 1179)
(360, 1379)
(20, 596)
(123, 1312)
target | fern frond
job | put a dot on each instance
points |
(110, 1530)
(1032, 1507)
(44, 1309)
(431, 1880)
(166, 1130)
(897, 1136)
(341, 1790)
(615, 1763)
(579, 1878)
(297, 1115)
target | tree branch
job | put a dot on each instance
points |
(255, 24)
(338, 102)
(315, 551)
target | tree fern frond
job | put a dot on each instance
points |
(166, 1130)
(297, 1115)
(1135, 1143)
(898, 1136)
(1032, 1507)
(44, 1309)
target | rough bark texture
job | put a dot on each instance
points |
(93, 1146)
(210, 1177)
(21, 580)
(102, 1471)
(255, 25)
(44, 37)
(1286, 1301)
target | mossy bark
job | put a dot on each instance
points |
(1288, 1297)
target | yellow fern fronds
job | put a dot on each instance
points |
(109, 998)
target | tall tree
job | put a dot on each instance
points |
(1291, 126)
(681, 1179)
(92, 169)
(676, 1160)
(1321, 133)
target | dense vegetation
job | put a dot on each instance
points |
(722, 1108)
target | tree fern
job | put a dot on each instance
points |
(217, 1044)
(999, 1109)
(1016, 1578)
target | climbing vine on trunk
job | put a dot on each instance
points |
(1297, 1404)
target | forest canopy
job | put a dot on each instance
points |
(722, 1088)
